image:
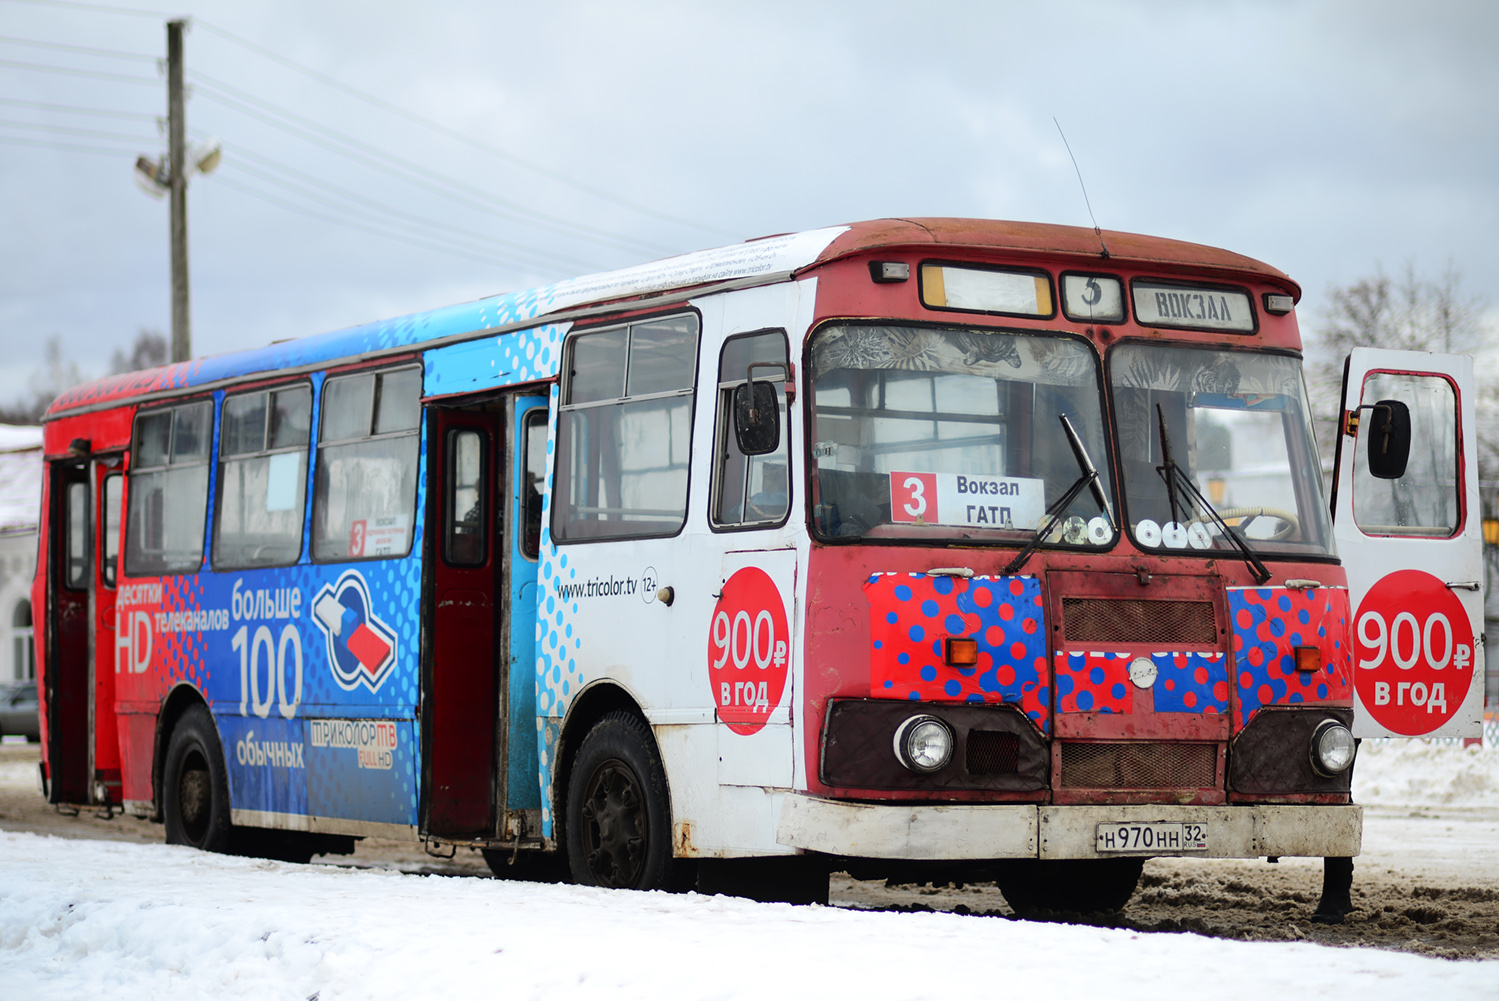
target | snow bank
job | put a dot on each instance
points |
(1426, 773)
(152, 921)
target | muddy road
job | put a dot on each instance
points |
(1428, 882)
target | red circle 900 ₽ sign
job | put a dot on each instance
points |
(1412, 652)
(749, 650)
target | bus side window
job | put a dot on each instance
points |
(535, 465)
(624, 432)
(1423, 502)
(364, 494)
(168, 490)
(262, 478)
(750, 491)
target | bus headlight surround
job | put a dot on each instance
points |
(1332, 748)
(924, 744)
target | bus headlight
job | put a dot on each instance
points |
(1332, 748)
(924, 744)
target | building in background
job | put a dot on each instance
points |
(20, 500)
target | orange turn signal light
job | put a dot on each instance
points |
(1308, 659)
(961, 652)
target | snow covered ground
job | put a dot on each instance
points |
(152, 921)
(1420, 773)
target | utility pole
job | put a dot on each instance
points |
(182, 332)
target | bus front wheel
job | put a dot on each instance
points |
(618, 813)
(195, 789)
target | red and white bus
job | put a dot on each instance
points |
(928, 548)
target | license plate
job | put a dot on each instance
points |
(1116, 837)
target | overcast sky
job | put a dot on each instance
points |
(1323, 138)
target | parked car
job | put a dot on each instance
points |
(18, 711)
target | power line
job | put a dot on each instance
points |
(83, 49)
(246, 189)
(66, 147)
(67, 71)
(66, 131)
(452, 133)
(281, 171)
(99, 7)
(71, 109)
(391, 108)
(409, 171)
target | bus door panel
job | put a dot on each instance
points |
(1410, 538)
(67, 681)
(527, 479)
(108, 493)
(459, 706)
(750, 649)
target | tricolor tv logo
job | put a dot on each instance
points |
(361, 647)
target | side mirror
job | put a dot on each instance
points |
(1389, 439)
(757, 418)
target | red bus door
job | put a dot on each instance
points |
(109, 483)
(66, 688)
(460, 691)
(1410, 537)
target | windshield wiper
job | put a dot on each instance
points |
(1174, 477)
(1088, 479)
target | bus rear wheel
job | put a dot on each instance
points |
(1081, 886)
(618, 814)
(195, 788)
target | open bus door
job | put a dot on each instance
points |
(69, 570)
(1409, 535)
(486, 464)
(460, 682)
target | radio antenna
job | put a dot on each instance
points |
(1080, 184)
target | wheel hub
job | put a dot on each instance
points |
(614, 812)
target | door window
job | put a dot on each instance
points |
(535, 465)
(464, 536)
(112, 484)
(75, 573)
(1424, 501)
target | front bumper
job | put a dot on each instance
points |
(929, 833)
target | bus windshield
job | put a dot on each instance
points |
(1237, 425)
(933, 432)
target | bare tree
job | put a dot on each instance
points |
(148, 351)
(59, 373)
(1411, 313)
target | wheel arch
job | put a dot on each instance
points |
(182, 697)
(592, 704)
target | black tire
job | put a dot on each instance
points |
(618, 812)
(1072, 886)
(195, 786)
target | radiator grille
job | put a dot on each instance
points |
(992, 752)
(1104, 620)
(1139, 765)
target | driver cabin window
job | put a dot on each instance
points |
(750, 491)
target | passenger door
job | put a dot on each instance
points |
(527, 485)
(1412, 544)
(460, 698)
(67, 695)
